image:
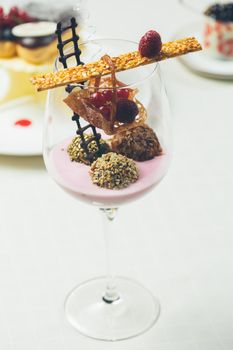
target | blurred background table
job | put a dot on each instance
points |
(177, 241)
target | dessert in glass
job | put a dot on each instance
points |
(128, 164)
(107, 143)
(217, 24)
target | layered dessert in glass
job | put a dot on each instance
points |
(121, 147)
(107, 142)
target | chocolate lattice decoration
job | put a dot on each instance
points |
(63, 58)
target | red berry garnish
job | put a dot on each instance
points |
(8, 21)
(1, 18)
(122, 93)
(98, 99)
(106, 112)
(108, 94)
(22, 15)
(14, 11)
(150, 44)
(126, 111)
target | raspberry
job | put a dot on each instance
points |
(150, 44)
(122, 93)
(21, 16)
(14, 11)
(1, 18)
(7, 21)
(98, 99)
(106, 112)
(126, 111)
(108, 94)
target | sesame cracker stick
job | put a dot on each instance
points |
(123, 62)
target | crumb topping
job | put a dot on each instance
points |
(114, 171)
(78, 154)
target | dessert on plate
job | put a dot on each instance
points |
(28, 45)
(29, 30)
(218, 32)
(8, 20)
(38, 48)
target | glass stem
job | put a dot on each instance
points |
(111, 293)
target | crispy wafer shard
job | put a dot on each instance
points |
(123, 62)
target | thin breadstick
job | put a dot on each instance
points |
(123, 62)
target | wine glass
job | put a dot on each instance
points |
(109, 308)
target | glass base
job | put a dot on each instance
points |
(135, 312)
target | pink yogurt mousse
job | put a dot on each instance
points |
(74, 177)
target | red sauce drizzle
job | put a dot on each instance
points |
(23, 122)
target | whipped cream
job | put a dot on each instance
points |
(33, 30)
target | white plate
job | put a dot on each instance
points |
(200, 62)
(21, 140)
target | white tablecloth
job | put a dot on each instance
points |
(177, 241)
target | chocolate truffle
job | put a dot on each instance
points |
(139, 143)
(78, 154)
(113, 171)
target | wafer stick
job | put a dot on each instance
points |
(123, 62)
